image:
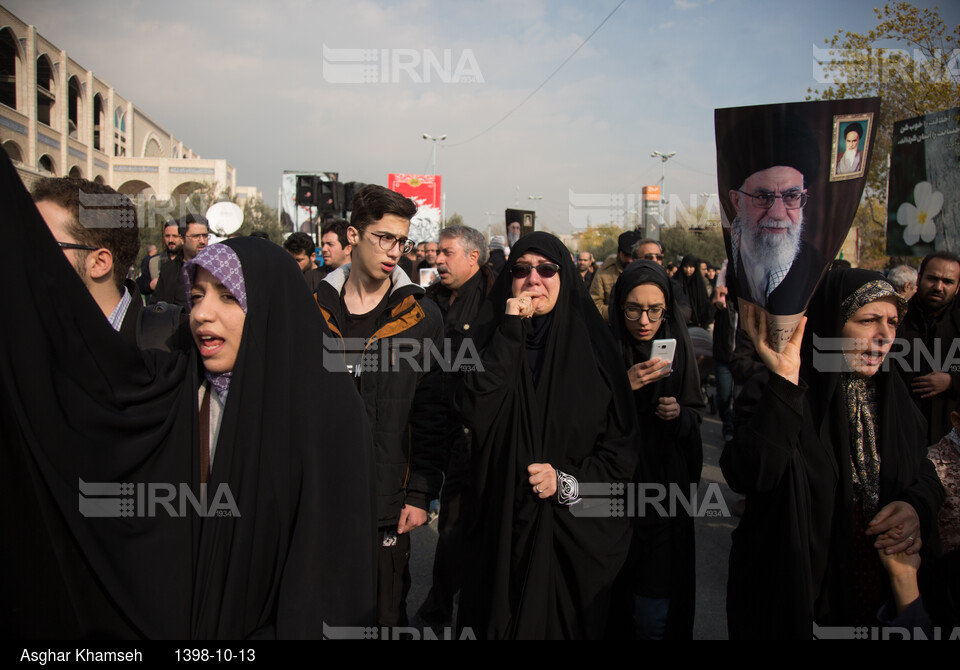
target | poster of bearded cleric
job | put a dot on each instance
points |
(786, 206)
(923, 195)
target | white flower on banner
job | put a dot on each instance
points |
(919, 219)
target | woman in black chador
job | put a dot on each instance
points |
(284, 546)
(831, 454)
(661, 570)
(551, 411)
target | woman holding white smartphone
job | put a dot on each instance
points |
(662, 370)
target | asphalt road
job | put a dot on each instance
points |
(713, 548)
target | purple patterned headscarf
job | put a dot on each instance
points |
(223, 263)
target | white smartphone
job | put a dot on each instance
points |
(664, 350)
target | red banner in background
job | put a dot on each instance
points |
(423, 189)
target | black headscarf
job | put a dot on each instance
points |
(694, 291)
(542, 572)
(80, 403)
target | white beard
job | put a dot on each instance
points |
(512, 238)
(768, 250)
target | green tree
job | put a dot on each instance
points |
(705, 244)
(257, 215)
(906, 61)
(454, 220)
(599, 240)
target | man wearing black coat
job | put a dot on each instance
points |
(932, 325)
(465, 281)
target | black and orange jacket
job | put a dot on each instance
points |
(403, 395)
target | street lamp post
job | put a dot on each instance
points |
(663, 162)
(434, 140)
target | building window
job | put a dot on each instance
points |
(45, 87)
(119, 132)
(97, 122)
(8, 68)
(74, 105)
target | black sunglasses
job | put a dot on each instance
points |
(545, 270)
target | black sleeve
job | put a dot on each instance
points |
(768, 421)
(428, 421)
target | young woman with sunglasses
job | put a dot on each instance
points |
(659, 580)
(550, 410)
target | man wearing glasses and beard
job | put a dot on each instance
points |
(776, 267)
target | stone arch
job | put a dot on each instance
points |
(13, 151)
(136, 187)
(152, 147)
(46, 91)
(186, 188)
(11, 68)
(75, 107)
(47, 164)
(75, 172)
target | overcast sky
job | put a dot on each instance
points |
(247, 81)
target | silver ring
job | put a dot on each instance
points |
(910, 537)
(538, 489)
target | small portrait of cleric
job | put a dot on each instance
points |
(850, 134)
(771, 163)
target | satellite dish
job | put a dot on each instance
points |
(225, 218)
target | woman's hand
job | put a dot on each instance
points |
(647, 372)
(902, 569)
(898, 525)
(668, 409)
(543, 479)
(522, 305)
(785, 363)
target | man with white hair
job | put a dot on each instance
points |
(776, 267)
(904, 280)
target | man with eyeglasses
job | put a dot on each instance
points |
(100, 242)
(383, 325)
(769, 163)
(170, 285)
(606, 276)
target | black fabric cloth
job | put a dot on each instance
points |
(497, 261)
(81, 403)
(923, 331)
(694, 292)
(170, 286)
(662, 558)
(540, 570)
(791, 562)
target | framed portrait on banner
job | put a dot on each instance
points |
(851, 135)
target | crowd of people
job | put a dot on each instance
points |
(301, 417)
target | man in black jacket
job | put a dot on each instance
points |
(170, 284)
(927, 335)
(465, 281)
(381, 318)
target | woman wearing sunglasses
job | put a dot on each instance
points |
(550, 410)
(661, 571)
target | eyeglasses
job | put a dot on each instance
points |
(634, 312)
(651, 257)
(71, 245)
(388, 242)
(544, 270)
(765, 199)
(199, 236)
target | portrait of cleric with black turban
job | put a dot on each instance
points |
(771, 163)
